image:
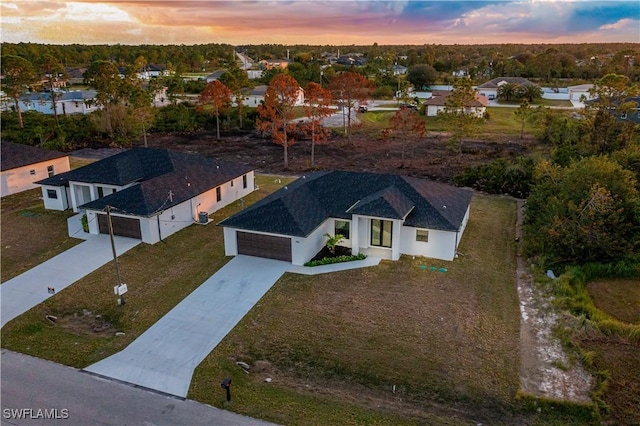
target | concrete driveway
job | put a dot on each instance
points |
(29, 289)
(164, 357)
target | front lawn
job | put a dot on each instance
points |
(393, 344)
(159, 276)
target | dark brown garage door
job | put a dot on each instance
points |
(264, 246)
(122, 226)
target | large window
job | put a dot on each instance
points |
(218, 194)
(381, 232)
(342, 228)
(244, 181)
(422, 235)
(100, 192)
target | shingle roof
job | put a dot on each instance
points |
(75, 95)
(158, 173)
(15, 155)
(304, 204)
(495, 83)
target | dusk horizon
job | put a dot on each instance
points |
(320, 23)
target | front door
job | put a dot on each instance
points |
(381, 233)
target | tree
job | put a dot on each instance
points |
(508, 91)
(530, 92)
(460, 116)
(421, 75)
(218, 97)
(277, 110)
(18, 76)
(350, 88)
(236, 79)
(522, 114)
(405, 125)
(53, 69)
(104, 76)
(316, 108)
(586, 212)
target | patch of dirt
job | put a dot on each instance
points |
(86, 323)
(325, 252)
(366, 151)
(546, 370)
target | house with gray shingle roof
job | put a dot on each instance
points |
(490, 88)
(68, 102)
(377, 214)
(23, 165)
(151, 193)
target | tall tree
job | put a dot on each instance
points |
(237, 79)
(522, 114)
(460, 114)
(406, 125)
(350, 89)
(104, 76)
(277, 111)
(18, 76)
(317, 101)
(217, 96)
(53, 70)
(421, 75)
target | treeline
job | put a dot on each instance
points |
(544, 62)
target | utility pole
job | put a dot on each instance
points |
(115, 257)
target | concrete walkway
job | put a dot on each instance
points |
(29, 289)
(164, 357)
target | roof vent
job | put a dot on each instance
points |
(286, 187)
(444, 207)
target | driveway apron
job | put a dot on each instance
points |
(29, 289)
(164, 357)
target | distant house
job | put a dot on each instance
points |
(75, 74)
(256, 95)
(577, 92)
(399, 69)
(437, 103)
(73, 102)
(490, 88)
(377, 214)
(151, 193)
(269, 64)
(254, 74)
(214, 76)
(23, 165)
(628, 114)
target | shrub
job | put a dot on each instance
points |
(338, 259)
(500, 177)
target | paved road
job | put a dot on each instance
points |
(32, 383)
(164, 357)
(29, 289)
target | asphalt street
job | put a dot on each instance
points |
(45, 393)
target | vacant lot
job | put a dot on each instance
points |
(336, 346)
(619, 298)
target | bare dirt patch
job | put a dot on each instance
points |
(366, 151)
(546, 370)
(86, 323)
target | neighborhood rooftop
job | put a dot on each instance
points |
(166, 178)
(303, 205)
(14, 155)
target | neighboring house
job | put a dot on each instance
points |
(75, 75)
(214, 76)
(490, 88)
(256, 96)
(378, 215)
(438, 100)
(399, 69)
(269, 64)
(630, 114)
(254, 74)
(577, 92)
(152, 193)
(23, 165)
(74, 102)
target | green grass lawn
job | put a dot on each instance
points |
(80, 337)
(335, 345)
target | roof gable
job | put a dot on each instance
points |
(389, 203)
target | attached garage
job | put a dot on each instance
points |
(122, 226)
(260, 245)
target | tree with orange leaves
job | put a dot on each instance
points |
(218, 96)
(405, 125)
(350, 89)
(316, 108)
(276, 112)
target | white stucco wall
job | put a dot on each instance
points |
(61, 202)
(303, 249)
(20, 179)
(441, 244)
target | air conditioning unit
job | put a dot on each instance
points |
(203, 217)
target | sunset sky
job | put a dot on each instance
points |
(319, 22)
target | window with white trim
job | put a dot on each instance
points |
(422, 235)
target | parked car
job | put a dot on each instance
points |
(363, 108)
(408, 106)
